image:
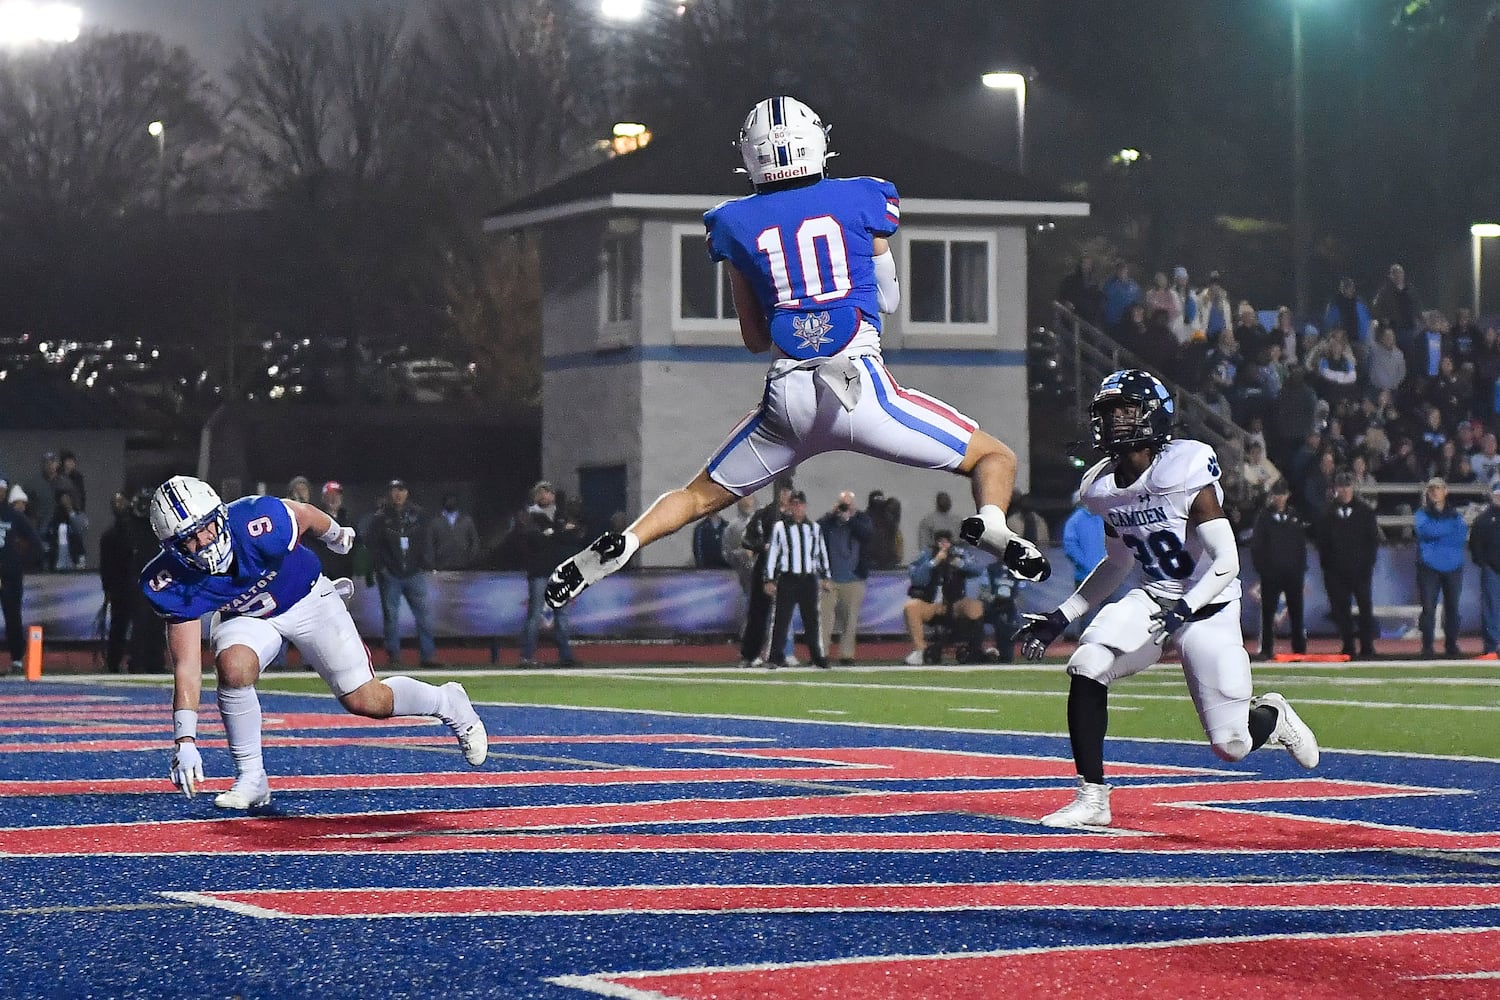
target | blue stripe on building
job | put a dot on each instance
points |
(955, 358)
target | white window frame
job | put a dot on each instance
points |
(615, 331)
(949, 236)
(722, 328)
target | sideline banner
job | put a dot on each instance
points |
(685, 604)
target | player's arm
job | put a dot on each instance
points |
(338, 538)
(887, 288)
(1207, 518)
(185, 645)
(755, 331)
(1038, 631)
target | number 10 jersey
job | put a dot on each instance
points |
(1151, 516)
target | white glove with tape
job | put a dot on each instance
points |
(187, 767)
(339, 539)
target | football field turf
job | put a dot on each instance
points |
(687, 833)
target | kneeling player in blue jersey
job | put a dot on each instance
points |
(244, 562)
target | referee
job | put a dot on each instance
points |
(796, 572)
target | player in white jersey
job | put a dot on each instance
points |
(810, 266)
(1160, 501)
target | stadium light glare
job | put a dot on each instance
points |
(622, 10)
(1015, 82)
(1485, 230)
(23, 22)
(1478, 233)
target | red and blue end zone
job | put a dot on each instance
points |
(632, 855)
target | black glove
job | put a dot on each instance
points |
(1025, 560)
(1167, 622)
(1038, 631)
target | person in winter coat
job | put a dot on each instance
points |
(1441, 533)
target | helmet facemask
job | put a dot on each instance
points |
(1132, 410)
(182, 508)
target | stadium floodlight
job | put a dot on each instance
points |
(622, 10)
(1478, 233)
(23, 22)
(628, 137)
(1014, 82)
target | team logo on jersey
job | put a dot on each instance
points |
(811, 330)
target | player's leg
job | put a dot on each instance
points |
(1270, 596)
(783, 604)
(809, 600)
(242, 647)
(320, 627)
(1116, 644)
(759, 449)
(15, 631)
(909, 427)
(1295, 616)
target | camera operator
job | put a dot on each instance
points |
(846, 533)
(939, 581)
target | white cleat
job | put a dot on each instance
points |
(473, 738)
(1090, 807)
(250, 791)
(1291, 733)
(574, 575)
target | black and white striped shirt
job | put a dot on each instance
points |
(796, 548)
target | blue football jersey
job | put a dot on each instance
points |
(808, 252)
(271, 571)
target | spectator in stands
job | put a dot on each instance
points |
(1258, 474)
(1364, 480)
(455, 538)
(1348, 541)
(1486, 463)
(1433, 437)
(401, 554)
(119, 582)
(1294, 418)
(1336, 372)
(1450, 465)
(1249, 334)
(1487, 374)
(1158, 346)
(1317, 488)
(1131, 331)
(1218, 315)
(299, 489)
(1484, 546)
(846, 532)
(68, 470)
(1285, 334)
(1188, 318)
(1441, 533)
(1120, 292)
(335, 564)
(17, 532)
(548, 536)
(1257, 386)
(939, 578)
(1386, 367)
(940, 519)
(1347, 311)
(1396, 305)
(67, 536)
(1159, 296)
(1080, 292)
(1428, 347)
(708, 542)
(1278, 551)
(1466, 335)
(1449, 392)
(1024, 520)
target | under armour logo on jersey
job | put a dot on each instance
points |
(811, 330)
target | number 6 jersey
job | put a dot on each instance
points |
(269, 574)
(1151, 515)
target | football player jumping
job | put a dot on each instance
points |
(1159, 499)
(244, 562)
(811, 271)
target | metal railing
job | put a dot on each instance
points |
(1093, 354)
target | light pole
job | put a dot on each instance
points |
(158, 131)
(1299, 168)
(1478, 233)
(1017, 83)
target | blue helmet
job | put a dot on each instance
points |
(1155, 412)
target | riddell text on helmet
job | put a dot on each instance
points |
(788, 174)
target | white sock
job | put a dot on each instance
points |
(410, 696)
(994, 520)
(240, 710)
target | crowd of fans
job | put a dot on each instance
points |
(1385, 389)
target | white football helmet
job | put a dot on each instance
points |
(180, 508)
(782, 139)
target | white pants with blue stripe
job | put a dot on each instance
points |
(799, 417)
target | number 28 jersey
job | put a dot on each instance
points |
(269, 574)
(1151, 516)
(809, 253)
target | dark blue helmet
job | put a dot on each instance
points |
(1154, 412)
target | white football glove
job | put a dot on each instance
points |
(187, 767)
(343, 543)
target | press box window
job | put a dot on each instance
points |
(949, 281)
(703, 291)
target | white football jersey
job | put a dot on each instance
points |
(1151, 516)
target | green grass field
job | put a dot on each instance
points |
(1430, 708)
